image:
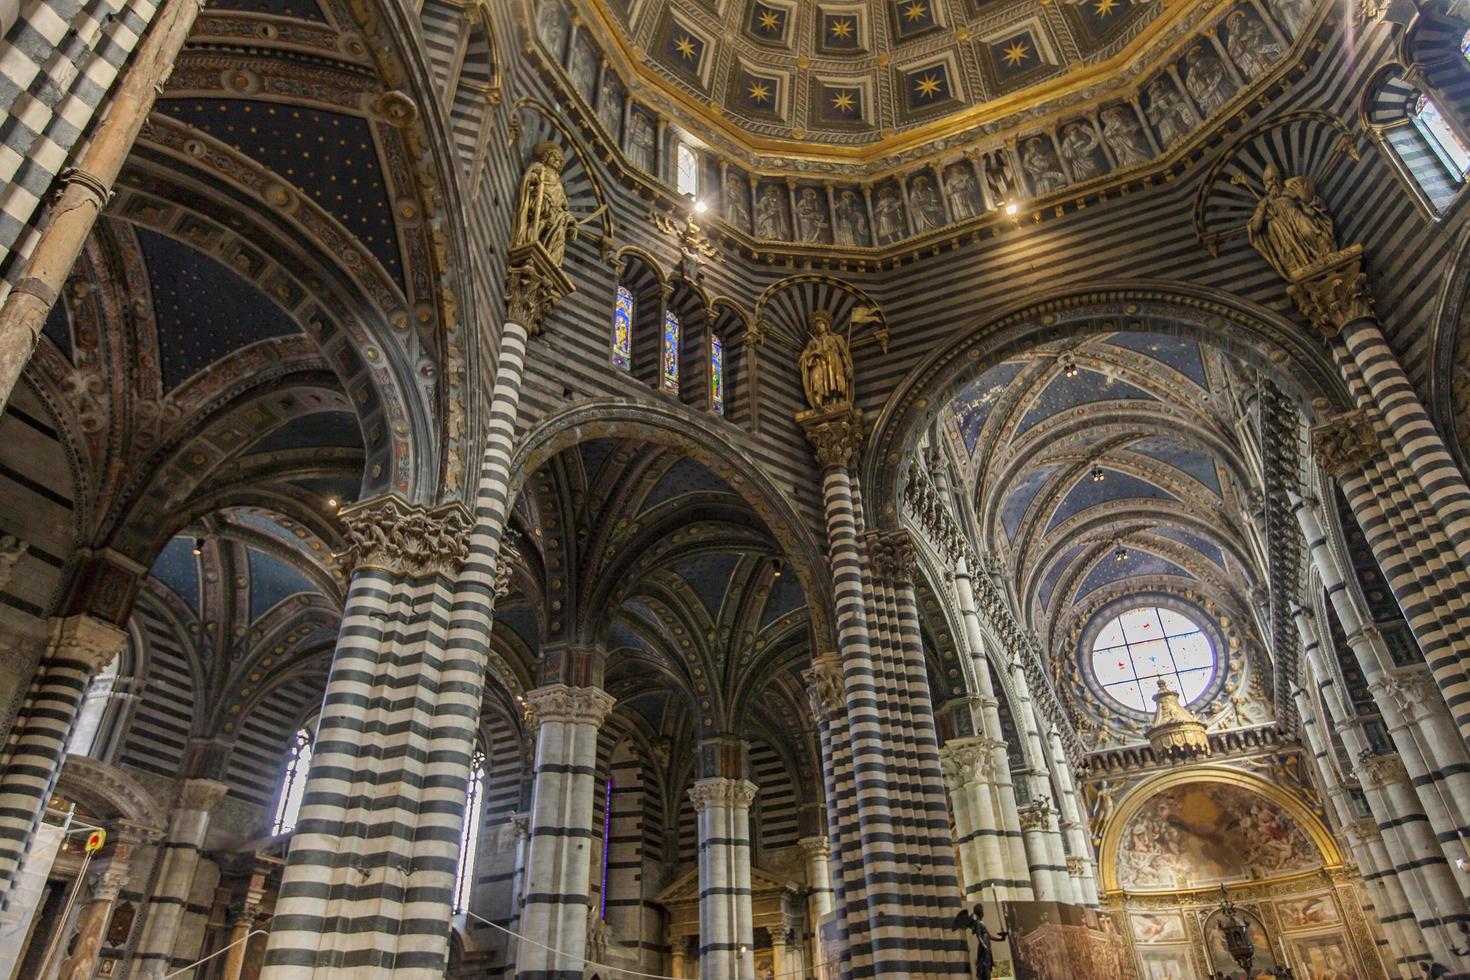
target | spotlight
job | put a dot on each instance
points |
(1120, 553)
(776, 569)
(1098, 475)
(198, 546)
(700, 207)
(1011, 207)
(332, 503)
(1071, 369)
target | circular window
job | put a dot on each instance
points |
(1133, 650)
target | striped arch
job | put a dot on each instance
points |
(1390, 108)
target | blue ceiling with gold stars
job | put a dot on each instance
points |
(204, 311)
(780, 64)
(329, 155)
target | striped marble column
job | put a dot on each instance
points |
(1435, 758)
(726, 930)
(78, 646)
(969, 766)
(1081, 863)
(887, 890)
(1414, 858)
(1044, 849)
(818, 856)
(369, 878)
(174, 880)
(559, 855)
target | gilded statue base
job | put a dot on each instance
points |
(836, 434)
(534, 284)
(1333, 291)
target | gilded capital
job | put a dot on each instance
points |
(391, 533)
(533, 286)
(824, 687)
(836, 436)
(86, 639)
(1345, 444)
(1333, 292)
(569, 705)
(735, 794)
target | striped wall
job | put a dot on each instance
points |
(258, 755)
(164, 717)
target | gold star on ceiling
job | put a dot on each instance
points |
(843, 102)
(685, 47)
(770, 21)
(928, 86)
(1017, 53)
(1105, 7)
(759, 92)
(842, 28)
(915, 11)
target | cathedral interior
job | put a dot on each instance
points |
(735, 489)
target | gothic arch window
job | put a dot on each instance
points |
(293, 783)
(469, 835)
(1424, 146)
(607, 836)
(669, 353)
(687, 173)
(716, 374)
(1465, 46)
(88, 737)
(622, 332)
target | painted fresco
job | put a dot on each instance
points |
(1207, 832)
(1323, 958)
(1157, 927)
(1165, 963)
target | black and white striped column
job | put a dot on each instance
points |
(180, 848)
(78, 647)
(369, 879)
(726, 928)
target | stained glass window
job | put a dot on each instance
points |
(1146, 643)
(688, 177)
(1465, 45)
(469, 837)
(1442, 139)
(717, 374)
(622, 345)
(293, 784)
(670, 359)
(607, 803)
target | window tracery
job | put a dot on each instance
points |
(622, 341)
(293, 783)
(1146, 643)
(469, 836)
(669, 359)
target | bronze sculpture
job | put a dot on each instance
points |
(826, 366)
(973, 919)
(544, 214)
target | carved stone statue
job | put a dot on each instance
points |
(1079, 146)
(974, 920)
(888, 213)
(826, 366)
(1251, 50)
(737, 211)
(924, 200)
(964, 193)
(770, 215)
(584, 67)
(1168, 112)
(610, 104)
(544, 214)
(1206, 80)
(1124, 136)
(1042, 167)
(1291, 226)
(811, 216)
(852, 223)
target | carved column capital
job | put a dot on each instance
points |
(1333, 292)
(824, 687)
(1346, 443)
(390, 533)
(86, 639)
(1412, 690)
(736, 794)
(1078, 866)
(836, 436)
(569, 705)
(1381, 770)
(893, 555)
(816, 848)
(534, 284)
(967, 760)
(520, 825)
(201, 794)
(1036, 816)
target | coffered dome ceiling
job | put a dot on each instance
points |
(866, 77)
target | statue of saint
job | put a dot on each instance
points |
(544, 215)
(964, 193)
(1167, 110)
(1206, 80)
(1041, 164)
(852, 223)
(1079, 146)
(1291, 226)
(811, 215)
(888, 212)
(1251, 50)
(924, 203)
(974, 920)
(826, 366)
